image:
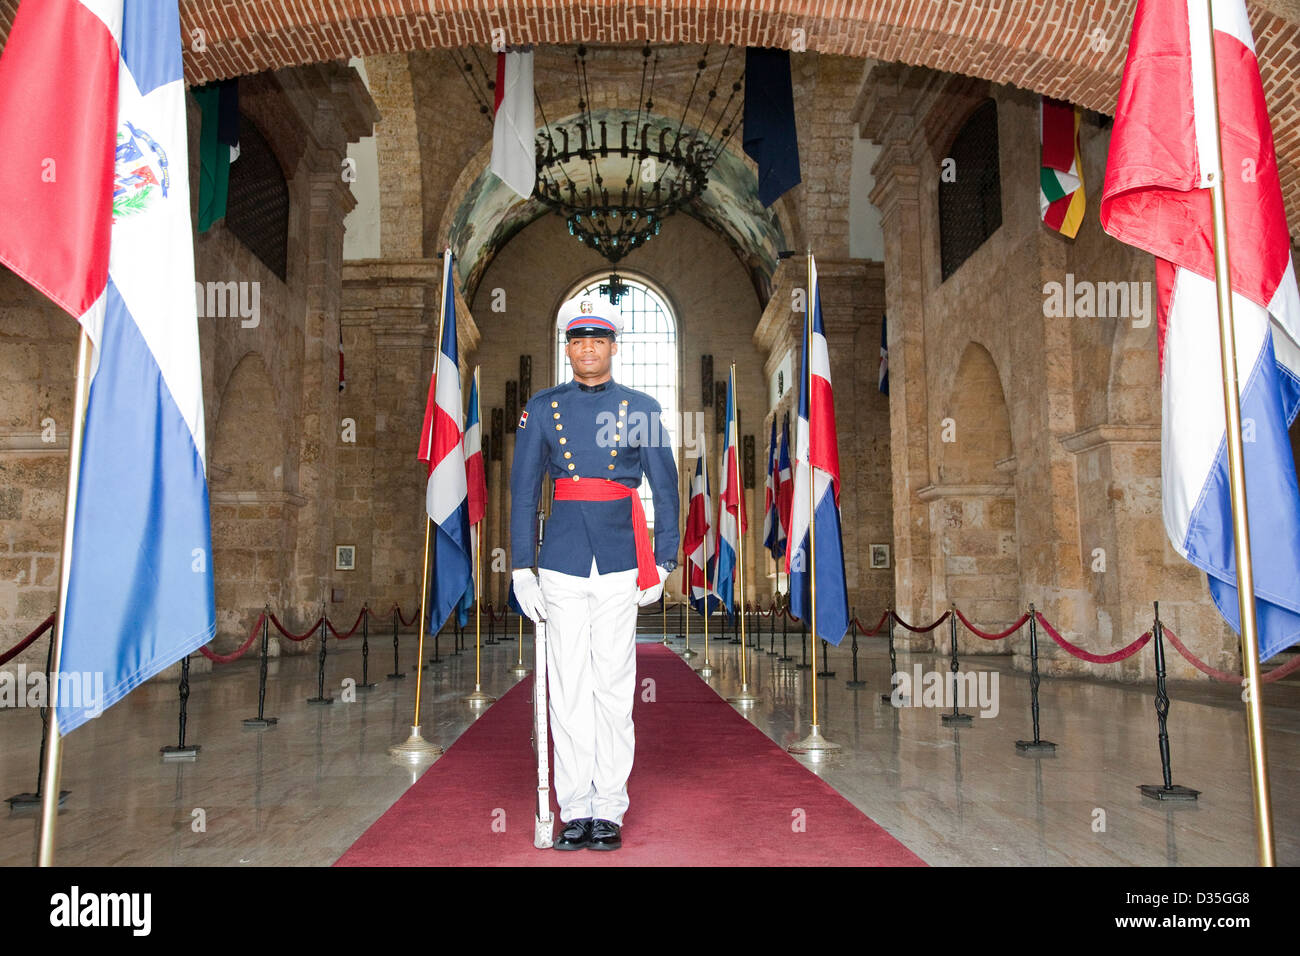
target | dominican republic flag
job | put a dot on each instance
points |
(1156, 198)
(514, 128)
(816, 504)
(771, 521)
(698, 545)
(476, 480)
(883, 382)
(442, 449)
(1061, 200)
(96, 214)
(784, 483)
(731, 507)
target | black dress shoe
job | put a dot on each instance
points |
(576, 835)
(605, 836)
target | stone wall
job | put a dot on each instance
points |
(1032, 475)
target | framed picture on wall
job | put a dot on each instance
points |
(879, 556)
(345, 557)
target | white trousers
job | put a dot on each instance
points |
(591, 665)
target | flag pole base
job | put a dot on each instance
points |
(855, 684)
(689, 654)
(396, 676)
(1176, 793)
(1035, 747)
(956, 718)
(260, 723)
(171, 754)
(415, 750)
(320, 700)
(478, 698)
(29, 801)
(519, 670)
(706, 671)
(815, 745)
(371, 686)
(745, 698)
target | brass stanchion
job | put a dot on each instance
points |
(705, 670)
(746, 697)
(415, 749)
(519, 670)
(478, 698)
(814, 744)
(688, 654)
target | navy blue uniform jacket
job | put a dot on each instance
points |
(600, 431)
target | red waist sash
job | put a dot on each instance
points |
(602, 489)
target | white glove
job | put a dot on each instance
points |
(654, 592)
(528, 594)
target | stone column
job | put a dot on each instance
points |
(898, 196)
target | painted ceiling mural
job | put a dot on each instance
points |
(492, 213)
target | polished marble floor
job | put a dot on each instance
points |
(300, 793)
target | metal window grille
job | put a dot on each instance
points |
(647, 355)
(970, 207)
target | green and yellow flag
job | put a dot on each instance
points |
(1060, 181)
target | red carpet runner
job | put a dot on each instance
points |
(707, 789)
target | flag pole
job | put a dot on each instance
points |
(53, 768)
(814, 744)
(415, 748)
(478, 698)
(1237, 485)
(745, 698)
(706, 670)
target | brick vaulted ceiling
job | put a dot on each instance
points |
(1072, 49)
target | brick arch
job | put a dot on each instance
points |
(1064, 48)
(1056, 47)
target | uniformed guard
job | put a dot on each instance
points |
(594, 438)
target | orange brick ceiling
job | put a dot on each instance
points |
(1072, 49)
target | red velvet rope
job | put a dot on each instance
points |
(26, 642)
(241, 650)
(405, 622)
(1080, 653)
(875, 630)
(295, 637)
(992, 637)
(357, 624)
(1276, 673)
(921, 630)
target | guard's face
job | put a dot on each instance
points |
(591, 357)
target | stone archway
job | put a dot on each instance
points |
(254, 519)
(973, 502)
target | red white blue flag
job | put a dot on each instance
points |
(442, 448)
(816, 502)
(773, 540)
(96, 214)
(784, 484)
(731, 509)
(698, 544)
(1156, 197)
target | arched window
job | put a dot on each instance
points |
(647, 351)
(257, 205)
(970, 204)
